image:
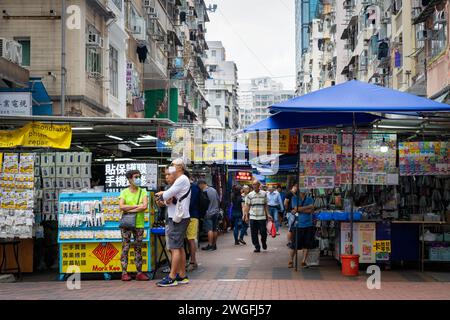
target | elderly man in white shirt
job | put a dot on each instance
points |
(179, 219)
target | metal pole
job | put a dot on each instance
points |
(63, 56)
(353, 184)
(298, 198)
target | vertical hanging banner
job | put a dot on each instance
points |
(37, 134)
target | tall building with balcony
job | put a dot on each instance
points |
(221, 90)
(431, 21)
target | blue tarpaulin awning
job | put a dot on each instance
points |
(293, 120)
(357, 96)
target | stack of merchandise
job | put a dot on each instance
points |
(17, 195)
(68, 171)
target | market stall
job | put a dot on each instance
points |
(353, 172)
(62, 203)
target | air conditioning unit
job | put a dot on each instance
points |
(149, 4)
(5, 51)
(422, 35)
(348, 4)
(94, 40)
(153, 16)
(387, 16)
(15, 52)
(375, 80)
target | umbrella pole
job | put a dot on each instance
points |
(353, 183)
(298, 197)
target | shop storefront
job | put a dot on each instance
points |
(60, 185)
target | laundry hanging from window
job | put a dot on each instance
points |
(142, 52)
(182, 17)
(383, 50)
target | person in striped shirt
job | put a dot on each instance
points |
(257, 212)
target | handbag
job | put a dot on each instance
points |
(179, 213)
(128, 220)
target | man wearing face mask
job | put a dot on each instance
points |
(133, 200)
(179, 219)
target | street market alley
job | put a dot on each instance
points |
(235, 272)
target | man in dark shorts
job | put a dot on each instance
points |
(303, 229)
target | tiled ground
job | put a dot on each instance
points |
(235, 272)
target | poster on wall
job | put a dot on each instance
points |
(424, 158)
(363, 239)
(319, 160)
(116, 180)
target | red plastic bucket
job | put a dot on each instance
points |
(350, 264)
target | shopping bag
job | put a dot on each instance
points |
(273, 230)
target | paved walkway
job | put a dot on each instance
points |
(235, 272)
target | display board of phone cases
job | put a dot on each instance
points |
(424, 158)
(17, 194)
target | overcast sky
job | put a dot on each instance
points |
(259, 35)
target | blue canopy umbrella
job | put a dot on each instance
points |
(357, 96)
(353, 97)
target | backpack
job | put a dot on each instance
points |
(203, 203)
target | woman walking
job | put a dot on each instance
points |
(133, 200)
(237, 215)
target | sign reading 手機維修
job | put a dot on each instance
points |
(15, 104)
(37, 134)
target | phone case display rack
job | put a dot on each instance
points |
(89, 236)
(17, 194)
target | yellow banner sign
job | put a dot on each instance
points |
(285, 141)
(382, 246)
(99, 257)
(37, 134)
(215, 152)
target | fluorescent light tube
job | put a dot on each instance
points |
(114, 137)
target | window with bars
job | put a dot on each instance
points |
(113, 71)
(93, 61)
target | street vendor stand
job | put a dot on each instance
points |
(347, 104)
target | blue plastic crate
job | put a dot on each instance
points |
(325, 216)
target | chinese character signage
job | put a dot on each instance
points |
(15, 104)
(382, 246)
(424, 158)
(116, 180)
(243, 176)
(99, 257)
(265, 141)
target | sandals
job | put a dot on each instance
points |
(290, 264)
(192, 266)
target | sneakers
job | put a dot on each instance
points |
(181, 280)
(126, 277)
(257, 250)
(236, 243)
(242, 241)
(264, 246)
(167, 282)
(209, 248)
(142, 277)
(214, 247)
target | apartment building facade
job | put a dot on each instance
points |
(136, 58)
(397, 44)
(221, 89)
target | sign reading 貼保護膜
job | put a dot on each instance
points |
(15, 104)
(116, 180)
